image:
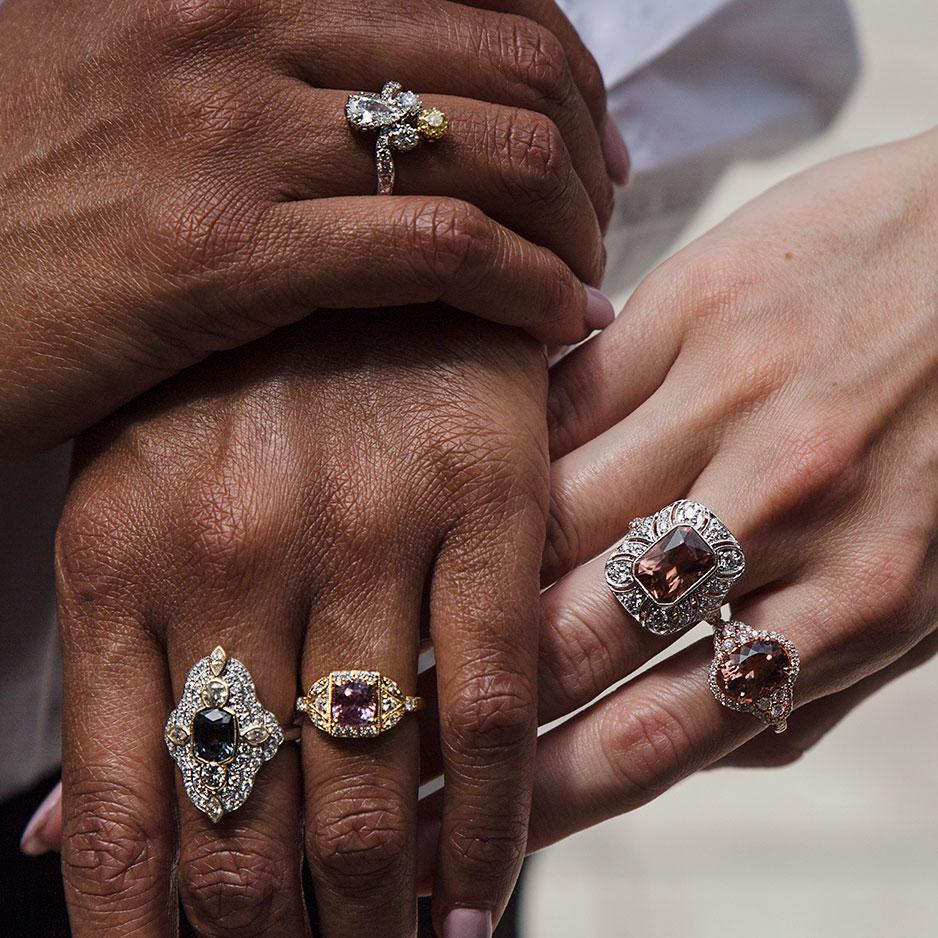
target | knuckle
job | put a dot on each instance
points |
(576, 660)
(231, 889)
(185, 22)
(108, 847)
(455, 239)
(535, 157)
(492, 715)
(534, 60)
(358, 840)
(488, 848)
(820, 458)
(884, 585)
(648, 750)
(224, 524)
(94, 559)
(711, 287)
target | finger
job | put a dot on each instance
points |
(753, 474)
(512, 164)
(603, 381)
(398, 250)
(118, 838)
(583, 65)
(484, 626)
(242, 875)
(450, 49)
(361, 793)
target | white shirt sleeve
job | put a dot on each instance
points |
(697, 84)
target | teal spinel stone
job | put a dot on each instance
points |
(214, 733)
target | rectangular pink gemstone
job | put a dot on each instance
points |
(354, 703)
(674, 564)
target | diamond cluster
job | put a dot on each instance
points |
(674, 568)
(220, 735)
(398, 118)
(355, 704)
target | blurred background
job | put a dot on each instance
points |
(845, 842)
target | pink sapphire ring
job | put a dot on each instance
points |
(754, 671)
(674, 568)
(356, 704)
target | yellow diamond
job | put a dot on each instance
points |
(432, 124)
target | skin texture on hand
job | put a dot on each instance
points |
(178, 178)
(335, 496)
(783, 370)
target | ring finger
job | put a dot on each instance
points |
(241, 874)
(361, 792)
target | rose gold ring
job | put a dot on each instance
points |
(754, 671)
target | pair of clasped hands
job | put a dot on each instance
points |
(317, 426)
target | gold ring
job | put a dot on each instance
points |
(356, 704)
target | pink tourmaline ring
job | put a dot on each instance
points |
(356, 704)
(674, 568)
(754, 671)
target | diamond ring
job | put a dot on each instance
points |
(401, 122)
(356, 704)
(220, 735)
(674, 568)
(754, 671)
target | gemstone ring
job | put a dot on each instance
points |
(401, 122)
(220, 735)
(674, 568)
(356, 704)
(754, 671)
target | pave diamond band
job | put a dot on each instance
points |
(674, 568)
(220, 735)
(356, 704)
(400, 121)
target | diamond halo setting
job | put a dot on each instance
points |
(675, 567)
(220, 735)
(754, 671)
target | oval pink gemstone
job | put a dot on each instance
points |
(753, 670)
(674, 564)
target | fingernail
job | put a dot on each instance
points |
(599, 309)
(31, 843)
(468, 923)
(618, 161)
(428, 841)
